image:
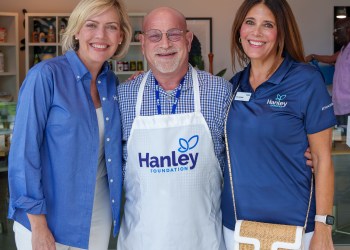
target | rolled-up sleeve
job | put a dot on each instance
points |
(25, 168)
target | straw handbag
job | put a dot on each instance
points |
(252, 235)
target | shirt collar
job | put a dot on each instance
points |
(276, 77)
(188, 83)
(78, 67)
(282, 70)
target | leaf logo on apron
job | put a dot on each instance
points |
(173, 162)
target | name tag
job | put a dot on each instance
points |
(243, 96)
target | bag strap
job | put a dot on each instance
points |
(229, 163)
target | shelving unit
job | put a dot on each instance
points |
(42, 21)
(135, 51)
(9, 80)
(47, 50)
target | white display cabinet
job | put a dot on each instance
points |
(41, 46)
(9, 79)
(44, 49)
(135, 52)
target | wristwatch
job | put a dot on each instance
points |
(326, 219)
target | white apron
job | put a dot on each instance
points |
(172, 183)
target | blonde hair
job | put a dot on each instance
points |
(87, 8)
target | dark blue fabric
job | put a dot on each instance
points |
(267, 138)
(327, 71)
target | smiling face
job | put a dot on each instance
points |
(258, 34)
(165, 56)
(99, 38)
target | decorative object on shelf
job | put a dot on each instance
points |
(125, 66)
(35, 35)
(63, 28)
(120, 66)
(132, 65)
(42, 37)
(139, 65)
(36, 59)
(2, 62)
(5, 97)
(136, 36)
(51, 36)
(3, 35)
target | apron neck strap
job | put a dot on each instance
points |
(197, 106)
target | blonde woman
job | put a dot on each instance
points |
(65, 163)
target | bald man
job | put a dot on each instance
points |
(173, 134)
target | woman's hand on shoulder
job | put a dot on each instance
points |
(133, 76)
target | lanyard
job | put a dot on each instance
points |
(177, 96)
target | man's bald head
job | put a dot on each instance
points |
(164, 12)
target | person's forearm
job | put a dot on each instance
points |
(324, 188)
(42, 237)
(37, 221)
(321, 147)
(330, 59)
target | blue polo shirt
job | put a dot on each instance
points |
(267, 138)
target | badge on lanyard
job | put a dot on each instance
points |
(243, 96)
(177, 96)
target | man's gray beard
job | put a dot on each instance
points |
(168, 67)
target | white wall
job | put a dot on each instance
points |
(315, 19)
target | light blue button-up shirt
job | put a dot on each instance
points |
(54, 150)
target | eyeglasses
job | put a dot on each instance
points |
(155, 35)
(338, 29)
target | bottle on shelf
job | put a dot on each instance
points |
(51, 36)
(62, 31)
(3, 35)
(42, 37)
(35, 35)
(36, 59)
(2, 62)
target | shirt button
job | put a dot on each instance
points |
(108, 139)
(112, 201)
(109, 160)
(107, 118)
(114, 223)
(103, 98)
(111, 180)
(98, 81)
(78, 77)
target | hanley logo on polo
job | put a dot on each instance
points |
(183, 160)
(278, 101)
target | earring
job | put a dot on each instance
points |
(239, 40)
(76, 38)
(120, 43)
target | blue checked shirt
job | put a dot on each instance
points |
(54, 150)
(214, 97)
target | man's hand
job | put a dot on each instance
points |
(308, 157)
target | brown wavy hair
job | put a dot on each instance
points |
(288, 35)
